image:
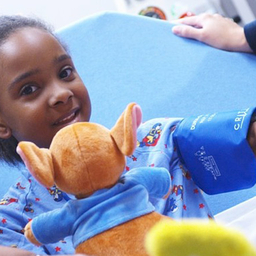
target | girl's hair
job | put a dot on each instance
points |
(8, 151)
(8, 26)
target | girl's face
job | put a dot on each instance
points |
(40, 90)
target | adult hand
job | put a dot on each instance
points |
(214, 30)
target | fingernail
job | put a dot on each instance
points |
(176, 30)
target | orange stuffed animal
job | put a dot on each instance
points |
(111, 213)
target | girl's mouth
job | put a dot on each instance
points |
(68, 118)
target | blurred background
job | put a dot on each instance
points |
(60, 13)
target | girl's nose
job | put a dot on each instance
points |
(60, 95)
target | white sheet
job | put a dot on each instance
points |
(241, 217)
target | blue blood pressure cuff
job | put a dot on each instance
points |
(214, 149)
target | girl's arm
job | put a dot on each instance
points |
(216, 31)
(156, 180)
(14, 252)
(18, 252)
(23, 202)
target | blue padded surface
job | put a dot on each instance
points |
(124, 58)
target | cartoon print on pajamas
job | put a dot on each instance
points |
(28, 208)
(19, 186)
(56, 193)
(151, 139)
(172, 205)
(178, 190)
(177, 195)
(185, 173)
(6, 201)
(133, 157)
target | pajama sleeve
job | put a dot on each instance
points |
(155, 179)
(53, 226)
(215, 150)
(13, 220)
(250, 34)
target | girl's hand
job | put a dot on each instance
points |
(214, 30)
(18, 252)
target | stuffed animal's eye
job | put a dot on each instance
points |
(121, 180)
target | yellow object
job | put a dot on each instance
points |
(196, 238)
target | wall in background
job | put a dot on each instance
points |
(59, 13)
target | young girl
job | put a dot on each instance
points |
(41, 93)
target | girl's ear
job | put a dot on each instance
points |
(38, 162)
(5, 131)
(125, 130)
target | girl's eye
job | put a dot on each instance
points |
(28, 89)
(66, 73)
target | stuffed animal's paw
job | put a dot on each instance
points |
(29, 234)
(197, 238)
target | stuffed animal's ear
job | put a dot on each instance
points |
(38, 162)
(125, 130)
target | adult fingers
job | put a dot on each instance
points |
(191, 21)
(187, 31)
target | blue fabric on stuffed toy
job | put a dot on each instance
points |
(215, 150)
